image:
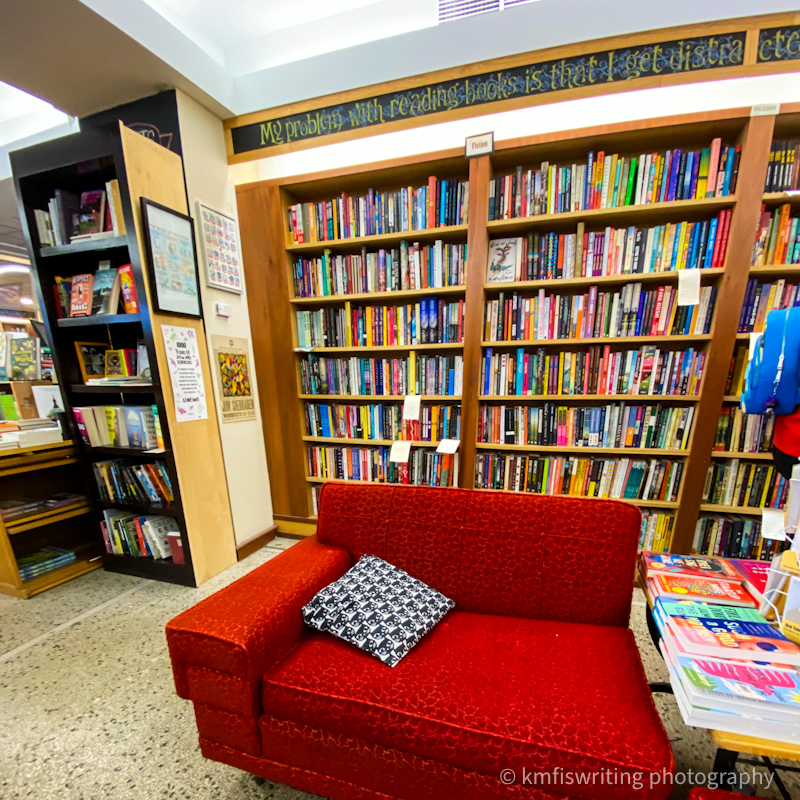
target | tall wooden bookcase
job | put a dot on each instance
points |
(193, 452)
(268, 257)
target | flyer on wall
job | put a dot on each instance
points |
(185, 372)
(233, 370)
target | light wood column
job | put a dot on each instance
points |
(478, 249)
(756, 143)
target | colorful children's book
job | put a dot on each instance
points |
(23, 359)
(691, 608)
(693, 566)
(754, 576)
(732, 639)
(678, 587)
(81, 298)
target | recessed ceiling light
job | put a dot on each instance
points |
(6, 269)
(26, 301)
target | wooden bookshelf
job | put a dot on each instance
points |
(743, 456)
(268, 258)
(445, 233)
(442, 399)
(192, 454)
(378, 298)
(718, 509)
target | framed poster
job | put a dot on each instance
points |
(92, 359)
(169, 237)
(233, 371)
(220, 244)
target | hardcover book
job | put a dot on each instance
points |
(693, 566)
(23, 359)
(105, 291)
(81, 295)
(677, 587)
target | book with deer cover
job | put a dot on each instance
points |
(693, 566)
(678, 587)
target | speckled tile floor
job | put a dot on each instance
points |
(88, 710)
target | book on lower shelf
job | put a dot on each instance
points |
(733, 536)
(762, 297)
(137, 535)
(777, 239)
(16, 510)
(121, 481)
(134, 427)
(738, 432)
(745, 484)
(29, 433)
(783, 167)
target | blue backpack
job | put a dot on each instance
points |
(772, 380)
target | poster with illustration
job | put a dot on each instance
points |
(233, 371)
(173, 265)
(220, 245)
(185, 372)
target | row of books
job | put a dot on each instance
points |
(29, 433)
(424, 468)
(656, 530)
(783, 167)
(733, 536)
(415, 266)
(778, 237)
(761, 298)
(439, 203)
(738, 432)
(613, 251)
(730, 669)
(610, 181)
(578, 476)
(141, 536)
(734, 385)
(746, 485)
(597, 370)
(122, 481)
(136, 427)
(428, 321)
(617, 425)
(92, 294)
(14, 510)
(630, 311)
(43, 561)
(382, 421)
(411, 374)
(94, 214)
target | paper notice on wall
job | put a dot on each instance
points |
(400, 452)
(411, 406)
(772, 524)
(185, 372)
(448, 446)
(688, 287)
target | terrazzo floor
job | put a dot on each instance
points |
(88, 710)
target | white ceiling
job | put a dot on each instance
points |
(23, 115)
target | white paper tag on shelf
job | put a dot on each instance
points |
(688, 287)
(793, 506)
(400, 452)
(448, 445)
(754, 339)
(772, 524)
(792, 192)
(303, 349)
(411, 406)
(765, 109)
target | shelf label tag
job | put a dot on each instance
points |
(448, 446)
(755, 338)
(400, 452)
(480, 145)
(772, 524)
(411, 406)
(688, 287)
(765, 109)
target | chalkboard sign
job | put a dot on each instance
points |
(609, 66)
(778, 44)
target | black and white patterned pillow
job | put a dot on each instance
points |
(378, 608)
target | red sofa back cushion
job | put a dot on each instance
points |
(515, 555)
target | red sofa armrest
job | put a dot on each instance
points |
(247, 627)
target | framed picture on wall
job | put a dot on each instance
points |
(169, 237)
(220, 245)
(92, 359)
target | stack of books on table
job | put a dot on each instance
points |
(31, 432)
(730, 669)
(43, 561)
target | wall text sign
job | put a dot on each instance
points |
(778, 44)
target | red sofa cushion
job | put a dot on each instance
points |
(532, 556)
(485, 693)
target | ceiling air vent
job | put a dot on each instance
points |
(456, 9)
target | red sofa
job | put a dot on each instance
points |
(534, 672)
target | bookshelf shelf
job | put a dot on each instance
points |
(632, 501)
(81, 388)
(591, 398)
(659, 212)
(361, 442)
(382, 398)
(126, 452)
(776, 271)
(746, 510)
(445, 232)
(99, 319)
(772, 199)
(171, 510)
(668, 276)
(163, 569)
(59, 576)
(589, 452)
(745, 456)
(731, 398)
(47, 517)
(610, 340)
(386, 348)
(382, 298)
(89, 246)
